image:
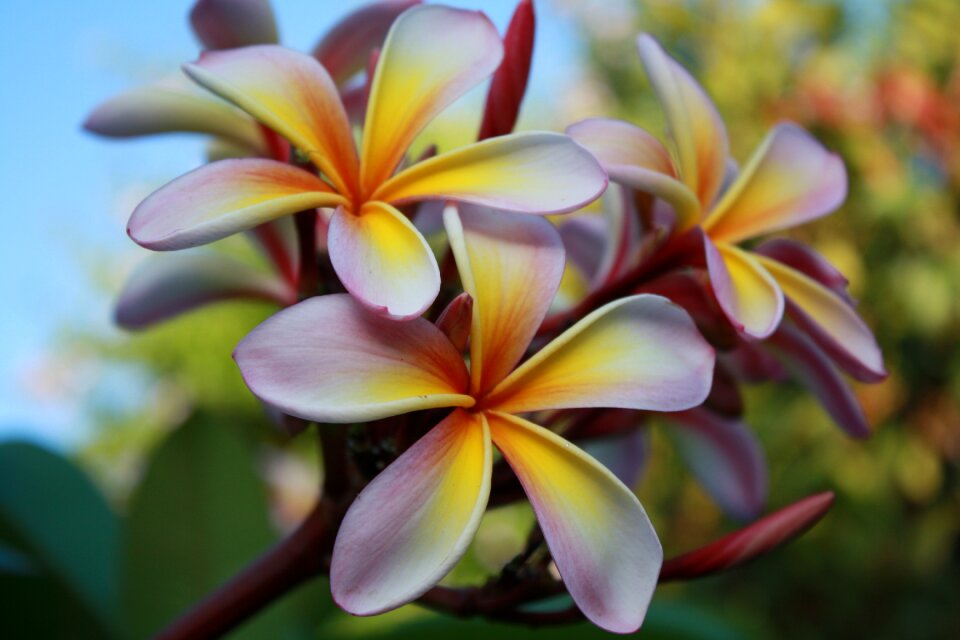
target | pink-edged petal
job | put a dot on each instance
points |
(725, 458)
(600, 538)
(802, 258)
(223, 198)
(509, 83)
(330, 360)
(382, 260)
(761, 537)
(537, 172)
(639, 352)
(174, 104)
(791, 179)
(292, 94)
(432, 56)
(346, 47)
(624, 454)
(226, 24)
(831, 321)
(693, 122)
(815, 371)
(165, 286)
(691, 290)
(496, 255)
(748, 295)
(409, 526)
(585, 241)
(634, 158)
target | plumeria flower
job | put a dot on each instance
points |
(166, 286)
(432, 56)
(790, 179)
(414, 521)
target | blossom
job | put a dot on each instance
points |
(165, 286)
(328, 359)
(791, 179)
(432, 56)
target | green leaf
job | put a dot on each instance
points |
(65, 537)
(198, 517)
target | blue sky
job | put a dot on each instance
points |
(66, 194)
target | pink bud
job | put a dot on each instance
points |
(759, 538)
(509, 83)
(456, 319)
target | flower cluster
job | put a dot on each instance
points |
(361, 336)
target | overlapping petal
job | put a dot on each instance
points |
(223, 198)
(693, 122)
(748, 295)
(432, 56)
(383, 260)
(816, 372)
(640, 352)
(346, 47)
(725, 458)
(599, 536)
(226, 24)
(496, 254)
(831, 320)
(291, 93)
(804, 259)
(328, 359)
(165, 286)
(171, 105)
(791, 179)
(536, 172)
(409, 526)
(634, 158)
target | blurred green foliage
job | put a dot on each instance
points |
(192, 499)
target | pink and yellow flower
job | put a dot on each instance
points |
(413, 522)
(791, 179)
(432, 56)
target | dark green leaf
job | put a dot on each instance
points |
(198, 517)
(66, 538)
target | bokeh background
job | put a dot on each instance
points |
(136, 471)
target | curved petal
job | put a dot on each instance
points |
(537, 172)
(432, 56)
(692, 122)
(291, 93)
(815, 371)
(748, 295)
(165, 286)
(330, 360)
(791, 179)
(171, 105)
(409, 526)
(640, 352)
(725, 458)
(223, 198)
(634, 158)
(497, 254)
(599, 535)
(346, 47)
(831, 321)
(383, 260)
(226, 24)
(804, 259)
